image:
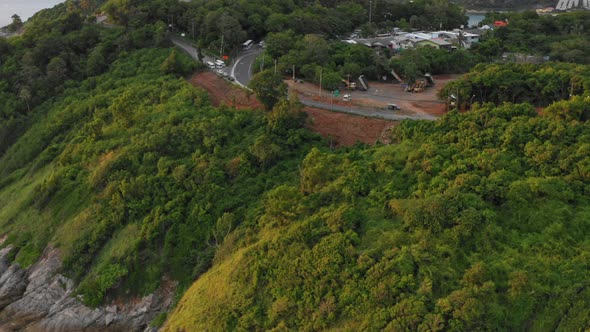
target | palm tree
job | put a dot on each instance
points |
(461, 39)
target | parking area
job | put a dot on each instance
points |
(380, 95)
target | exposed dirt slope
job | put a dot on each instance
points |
(342, 129)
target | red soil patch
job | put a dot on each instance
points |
(345, 129)
(222, 92)
(342, 129)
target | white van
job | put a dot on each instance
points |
(211, 64)
(219, 64)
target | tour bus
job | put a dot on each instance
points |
(248, 44)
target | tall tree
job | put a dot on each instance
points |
(269, 88)
(16, 24)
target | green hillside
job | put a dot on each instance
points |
(127, 172)
(476, 221)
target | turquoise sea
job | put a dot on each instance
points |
(475, 18)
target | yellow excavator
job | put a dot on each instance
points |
(349, 85)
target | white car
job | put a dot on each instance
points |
(346, 97)
(393, 107)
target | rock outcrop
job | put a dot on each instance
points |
(41, 299)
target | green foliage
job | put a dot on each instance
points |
(94, 288)
(131, 180)
(564, 37)
(539, 85)
(477, 221)
(474, 222)
(170, 65)
(285, 117)
(269, 88)
(412, 64)
(159, 320)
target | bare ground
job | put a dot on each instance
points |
(222, 92)
(342, 129)
(380, 94)
(345, 129)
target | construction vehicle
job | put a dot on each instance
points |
(349, 85)
(418, 86)
(396, 76)
(364, 83)
(429, 79)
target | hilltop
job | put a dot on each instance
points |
(132, 199)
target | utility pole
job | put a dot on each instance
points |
(193, 28)
(262, 64)
(275, 66)
(221, 50)
(348, 85)
(370, 11)
(321, 82)
(293, 73)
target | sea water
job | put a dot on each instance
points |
(23, 8)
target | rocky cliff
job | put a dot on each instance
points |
(39, 298)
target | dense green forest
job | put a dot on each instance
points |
(539, 85)
(100, 144)
(563, 37)
(477, 221)
(236, 19)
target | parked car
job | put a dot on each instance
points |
(210, 64)
(393, 107)
(346, 97)
(219, 64)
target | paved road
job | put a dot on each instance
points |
(242, 68)
(189, 49)
(242, 72)
(381, 114)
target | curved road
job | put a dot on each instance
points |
(380, 114)
(242, 68)
(241, 71)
